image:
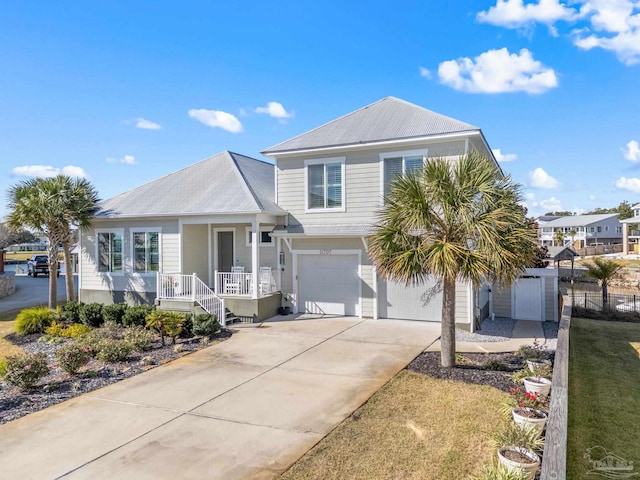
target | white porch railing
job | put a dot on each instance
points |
(241, 284)
(177, 286)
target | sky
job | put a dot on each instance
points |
(124, 92)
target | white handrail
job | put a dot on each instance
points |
(177, 286)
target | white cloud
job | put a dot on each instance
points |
(504, 157)
(592, 197)
(515, 14)
(274, 109)
(530, 196)
(127, 160)
(538, 178)
(425, 72)
(632, 151)
(551, 205)
(217, 118)
(629, 184)
(498, 71)
(147, 124)
(49, 171)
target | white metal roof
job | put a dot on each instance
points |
(222, 184)
(386, 119)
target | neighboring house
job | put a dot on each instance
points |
(633, 235)
(601, 229)
(306, 221)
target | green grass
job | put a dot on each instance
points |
(604, 391)
(415, 427)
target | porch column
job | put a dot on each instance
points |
(625, 239)
(279, 271)
(255, 257)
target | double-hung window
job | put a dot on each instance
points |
(109, 250)
(325, 184)
(145, 244)
(400, 163)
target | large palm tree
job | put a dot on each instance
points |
(51, 206)
(604, 271)
(455, 221)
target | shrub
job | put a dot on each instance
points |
(139, 337)
(72, 356)
(136, 315)
(34, 320)
(91, 314)
(3, 368)
(92, 339)
(110, 350)
(187, 326)
(115, 312)
(205, 324)
(25, 369)
(55, 329)
(165, 323)
(76, 330)
(71, 311)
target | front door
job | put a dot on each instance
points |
(225, 251)
(528, 299)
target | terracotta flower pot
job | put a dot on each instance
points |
(537, 385)
(529, 418)
(520, 459)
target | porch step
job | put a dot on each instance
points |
(231, 317)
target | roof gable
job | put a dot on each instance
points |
(386, 119)
(579, 220)
(221, 184)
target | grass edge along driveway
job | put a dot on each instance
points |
(604, 392)
(415, 427)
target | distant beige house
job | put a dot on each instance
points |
(235, 233)
(581, 231)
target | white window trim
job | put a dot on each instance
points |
(120, 231)
(133, 230)
(324, 161)
(247, 237)
(403, 153)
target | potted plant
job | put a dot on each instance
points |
(534, 355)
(528, 410)
(518, 449)
(539, 382)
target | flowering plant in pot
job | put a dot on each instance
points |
(534, 355)
(528, 410)
(539, 382)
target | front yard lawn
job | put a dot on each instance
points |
(604, 392)
(415, 427)
(7, 327)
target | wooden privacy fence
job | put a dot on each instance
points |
(554, 459)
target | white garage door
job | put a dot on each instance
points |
(328, 284)
(423, 302)
(527, 293)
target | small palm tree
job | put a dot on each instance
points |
(572, 234)
(50, 206)
(604, 271)
(455, 221)
(558, 237)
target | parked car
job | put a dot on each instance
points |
(39, 264)
(629, 306)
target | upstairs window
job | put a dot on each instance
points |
(109, 251)
(400, 163)
(146, 251)
(325, 184)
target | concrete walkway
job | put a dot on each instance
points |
(246, 408)
(524, 332)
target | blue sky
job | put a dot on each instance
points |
(124, 92)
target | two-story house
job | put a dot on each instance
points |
(630, 232)
(236, 233)
(581, 231)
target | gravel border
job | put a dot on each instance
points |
(498, 330)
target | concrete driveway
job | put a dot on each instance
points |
(32, 291)
(246, 408)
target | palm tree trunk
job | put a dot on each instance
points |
(448, 327)
(605, 296)
(68, 274)
(52, 250)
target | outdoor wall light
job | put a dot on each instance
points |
(282, 259)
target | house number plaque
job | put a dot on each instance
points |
(325, 251)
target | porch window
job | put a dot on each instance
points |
(109, 257)
(400, 163)
(265, 237)
(325, 184)
(146, 251)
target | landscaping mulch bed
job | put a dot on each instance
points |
(492, 369)
(58, 386)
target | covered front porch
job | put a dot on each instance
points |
(232, 259)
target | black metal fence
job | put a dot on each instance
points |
(620, 302)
